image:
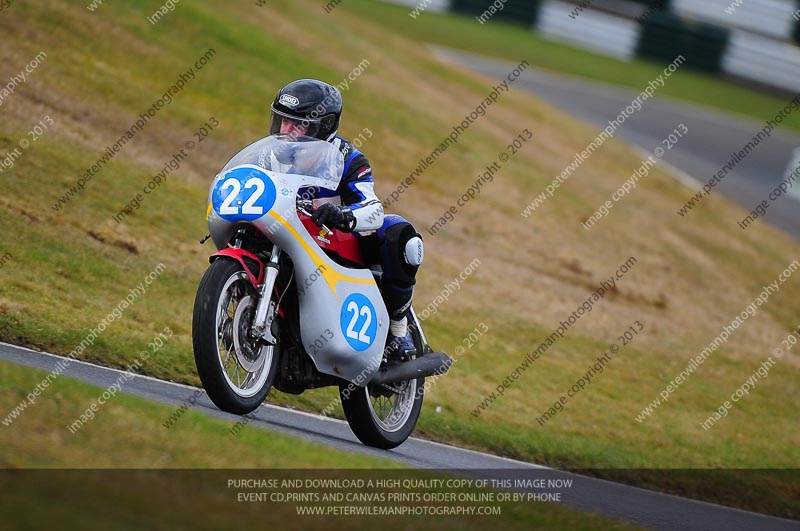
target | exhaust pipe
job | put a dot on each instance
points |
(423, 366)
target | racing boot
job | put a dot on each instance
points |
(399, 345)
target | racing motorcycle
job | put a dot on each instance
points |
(291, 305)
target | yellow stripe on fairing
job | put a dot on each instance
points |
(208, 211)
(331, 276)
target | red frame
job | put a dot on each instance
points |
(239, 255)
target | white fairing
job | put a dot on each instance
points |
(343, 320)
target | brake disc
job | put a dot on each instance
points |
(247, 351)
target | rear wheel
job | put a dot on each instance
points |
(237, 370)
(384, 415)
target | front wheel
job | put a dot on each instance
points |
(237, 370)
(383, 416)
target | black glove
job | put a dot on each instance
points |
(331, 215)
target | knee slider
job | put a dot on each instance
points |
(414, 251)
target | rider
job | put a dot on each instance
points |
(313, 108)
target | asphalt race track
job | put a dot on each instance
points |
(645, 508)
(712, 139)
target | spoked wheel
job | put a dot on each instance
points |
(384, 415)
(237, 370)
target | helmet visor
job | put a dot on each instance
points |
(286, 124)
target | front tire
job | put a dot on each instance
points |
(237, 372)
(384, 416)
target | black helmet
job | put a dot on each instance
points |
(311, 103)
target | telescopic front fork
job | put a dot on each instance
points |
(267, 308)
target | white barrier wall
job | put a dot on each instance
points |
(768, 17)
(759, 48)
(592, 30)
(425, 6)
(763, 59)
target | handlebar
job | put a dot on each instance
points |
(306, 206)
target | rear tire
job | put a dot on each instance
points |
(237, 372)
(380, 417)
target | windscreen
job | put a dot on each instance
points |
(299, 155)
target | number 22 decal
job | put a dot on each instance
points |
(358, 321)
(249, 206)
(252, 188)
(359, 311)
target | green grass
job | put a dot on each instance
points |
(128, 432)
(156, 491)
(71, 268)
(514, 43)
